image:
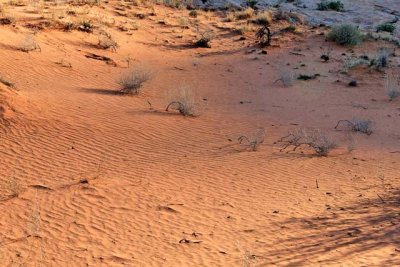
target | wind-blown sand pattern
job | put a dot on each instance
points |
(91, 177)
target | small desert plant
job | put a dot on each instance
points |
(107, 42)
(321, 143)
(204, 40)
(345, 34)
(132, 80)
(253, 140)
(264, 36)
(86, 26)
(193, 13)
(381, 59)
(386, 27)
(287, 78)
(263, 18)
(330, 5)
(183, 100)
(183, 23)
(357, 125)
(244, 14)
(29, 44)
(392, 86)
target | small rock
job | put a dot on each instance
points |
(353, 83)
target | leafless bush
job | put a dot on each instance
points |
(312, 138)
(357, 125)
(132, 80)
(183, 100)
(107, 42)
(287, 78)
(381, 59)
(254, 140)
(392, 85)
(29, 44)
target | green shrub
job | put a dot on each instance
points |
(386, 27)
(345, 34)
(330, 5)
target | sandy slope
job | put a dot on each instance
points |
(108, 182)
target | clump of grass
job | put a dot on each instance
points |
(107, 42)
(318, 141)
(330, 5)
(132, 80)
(244, 14)
(357, 125)
(28, 44)
(392, 85)
(204, 40)
(263, 18)
(381, 59)
(183, 100)
(86, 26)
(386, 27)
(345, 34)
(253, 141)
(287, 78)
(193, 13)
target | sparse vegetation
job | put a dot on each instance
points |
(357, 125)
(263, 18)
(86, 26)
(330, 5)
(321, 143)
(386, 27)
(392, 85)
(133, 79)
(183, 100)
(381, 59)
(107, 42)
(287, 78)
(264, 36)
(204, 41)
(29, 44)
(345, 34)
(253, 141)
(244, 14)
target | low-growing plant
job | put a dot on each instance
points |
(330, 5)
(345, 34)
(28, 44)
(132, 80)
(357, 125)
(183, 100)
(86, 26)
(193, 13)
(107, 42)
(306, 77)
(381, 59)
(287, 78)
(253, 141)
(392, 85)
(244, 14)
(320, 142)
(204, 40)
(264, 36)
(263, 18)
(386, 27)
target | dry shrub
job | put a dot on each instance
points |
(253, 141)
(132, 80)
(320, 142)
(357, 125)
(392, 85)
(107, 42)
(29, 43)
(244, 14)
(183, 100)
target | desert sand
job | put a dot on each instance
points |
(93, 177)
